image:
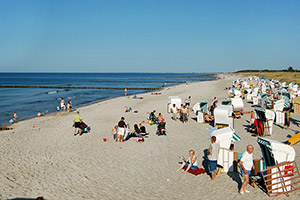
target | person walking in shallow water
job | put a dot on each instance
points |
(125, 92)
(15, 116)
(62, 104)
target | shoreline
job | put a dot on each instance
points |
(7, 125)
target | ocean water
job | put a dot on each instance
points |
(26, 102)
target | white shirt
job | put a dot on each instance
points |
(174, 109)
(214, 151)
(247, 160)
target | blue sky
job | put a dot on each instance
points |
(148, 36)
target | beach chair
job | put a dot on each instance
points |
(257, 176)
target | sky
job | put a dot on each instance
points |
(148, 35)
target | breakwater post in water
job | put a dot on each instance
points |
(77, 87)
(106, 81)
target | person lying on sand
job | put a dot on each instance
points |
(190, 162)
(142, 129)
(155, 93)
(136, 97)
(129, 109)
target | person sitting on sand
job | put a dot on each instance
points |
(207, 117)
(190, 162)
(45, 112)
(129, 109)
(136, 132)
(160, 118)
(153, 117)
(77, 120)
(142, 128)
(39, 114)
(114, 132)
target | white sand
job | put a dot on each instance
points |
(41, 157)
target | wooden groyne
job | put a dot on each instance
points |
(106, 81)
(77, 87)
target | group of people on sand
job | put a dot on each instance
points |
(63, 106)
(246, 163)
(183, 112)
(120, 131)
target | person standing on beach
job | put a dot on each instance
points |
(185, 114)
(69, 106)
(246, 164)
(15, 116)
(77, 120)
(188, 101)
(213, 153)
(174, 112)
(121, 129)
(62, 104)
(287, 115)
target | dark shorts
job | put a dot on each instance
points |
(212, 166)
(287, 123)
(77, 124)
(187, 104)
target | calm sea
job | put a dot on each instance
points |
(26, 102)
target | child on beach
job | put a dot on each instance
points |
(11, 121)
(190, 162)
(114, 132)
(15, 116)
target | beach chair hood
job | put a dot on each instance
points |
(273, 151)
(225, 137)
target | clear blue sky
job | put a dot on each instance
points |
(148, 36)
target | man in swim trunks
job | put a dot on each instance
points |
(76, 123)
(62, 104)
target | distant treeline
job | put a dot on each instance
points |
(290, 69)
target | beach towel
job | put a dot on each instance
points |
(212, 129)
(196, 171)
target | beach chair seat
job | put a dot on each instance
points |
(257, 176)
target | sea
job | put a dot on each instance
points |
(27, 102)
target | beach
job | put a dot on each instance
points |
(42, 157)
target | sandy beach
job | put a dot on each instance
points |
(42, 157)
